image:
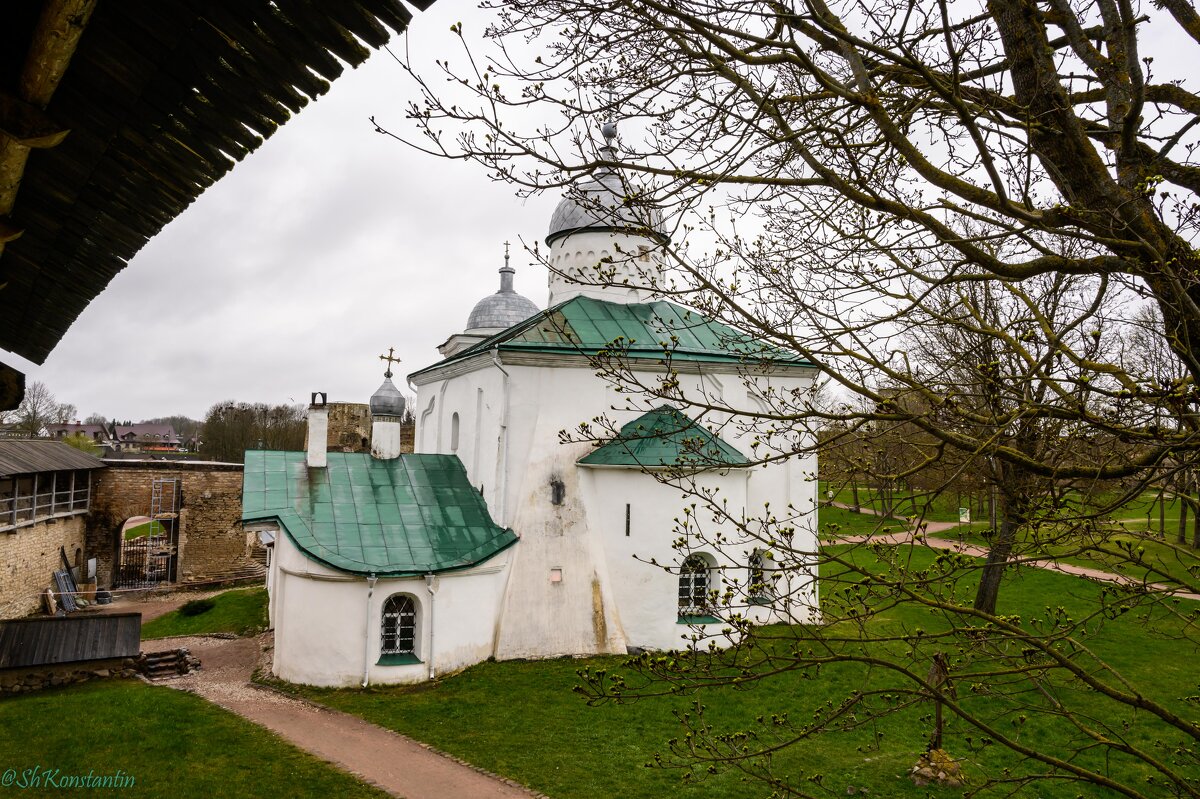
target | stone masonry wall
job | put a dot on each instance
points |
(29, 556)
(211, 540)
(350, 429)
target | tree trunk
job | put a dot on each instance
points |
(1183, 514)
(993, 570)
(1196, 530)
(1162, 510)
(854, 494)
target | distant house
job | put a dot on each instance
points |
(12, 431)
(145, 437)
(100, 435)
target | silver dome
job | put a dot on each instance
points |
(601, 205)
(387, 401)
(503, 309)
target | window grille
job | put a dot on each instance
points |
(756, 585)
(693, 587)
(399, 626)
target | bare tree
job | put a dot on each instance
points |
(837, 173)
(231, 428)
(38, 409)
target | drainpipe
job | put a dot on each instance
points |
(502, 478)
(429, 587)
(367, 632)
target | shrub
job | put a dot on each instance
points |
(197, 606)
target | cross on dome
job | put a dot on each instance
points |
(390, 360)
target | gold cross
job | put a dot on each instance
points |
(390, 360)
(506, 253)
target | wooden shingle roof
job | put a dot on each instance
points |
(159, 99)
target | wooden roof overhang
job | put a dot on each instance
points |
(116, 114)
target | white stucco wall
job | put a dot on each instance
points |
(617, 267)
(326, 629)
(572, 588)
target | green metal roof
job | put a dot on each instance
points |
(665, 437)
(583, 325)
(406, 516)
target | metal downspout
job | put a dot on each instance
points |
(367, 632)
(429, 587)
(502, 481)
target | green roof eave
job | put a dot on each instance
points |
(288, 521)
(412, 515)
(656, 330)
(665, 438)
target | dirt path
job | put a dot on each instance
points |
(909, 536)
(152, 604)
(392, 762)
(387, 760)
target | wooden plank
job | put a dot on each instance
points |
(393, 14)
(325, 31)
(295, 42)
(259, 59)
(365, 26)
(49, 640)
(53, 44)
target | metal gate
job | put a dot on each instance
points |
(150, 559)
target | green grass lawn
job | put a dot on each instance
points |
(930, 507)
(240, 611)
(149, 528)
(521, 719)
(1160, 558)
(1148, 557)
(843, 522)
(174, 745)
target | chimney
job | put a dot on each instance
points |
(317, 439)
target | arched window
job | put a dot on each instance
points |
(757, 589)
(454, 432)
(399, 633)
(693, 587)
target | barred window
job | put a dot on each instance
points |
(399, 625)
(757, 588)
(693, 587)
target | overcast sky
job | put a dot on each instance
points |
(293, 274)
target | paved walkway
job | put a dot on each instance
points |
(974, 550)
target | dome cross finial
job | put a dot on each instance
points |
(506, 274)
(390, 360)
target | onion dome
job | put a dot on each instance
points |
(387, 401)
(503, 309)
(603, 204)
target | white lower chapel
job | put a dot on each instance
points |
(495, 538)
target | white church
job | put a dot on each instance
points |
(500, 538)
